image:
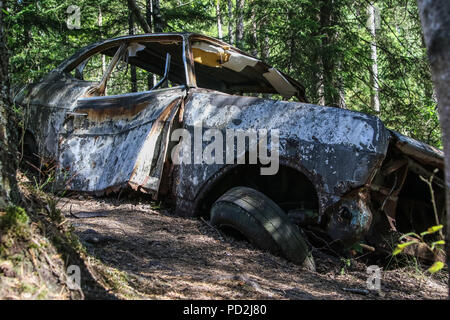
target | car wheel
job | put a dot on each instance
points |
(263, 223)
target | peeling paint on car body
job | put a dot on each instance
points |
(97, 155)
(104, 144)
(322, 135)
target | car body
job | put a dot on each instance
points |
(341, 171)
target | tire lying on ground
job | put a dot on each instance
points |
(263, 223)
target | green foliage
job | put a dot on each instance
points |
(419, 238)
(346, 263)
(357, 247)
(438, 265)
(13, 217)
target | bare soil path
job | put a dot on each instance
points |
(155, 255)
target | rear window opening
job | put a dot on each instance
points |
(224, 69)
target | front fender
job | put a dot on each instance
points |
(340, 149)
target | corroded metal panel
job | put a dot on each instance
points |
(419, 151)
(338, 149)
(116, 143)
(47, 104)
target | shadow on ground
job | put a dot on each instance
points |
(154, 255)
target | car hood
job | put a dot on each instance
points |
(418, 150)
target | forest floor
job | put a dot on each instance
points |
(139, 251)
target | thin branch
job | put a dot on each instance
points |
(430, 186)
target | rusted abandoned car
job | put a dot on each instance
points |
(341, 175)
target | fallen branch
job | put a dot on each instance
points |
(70, 212)
(211, 226)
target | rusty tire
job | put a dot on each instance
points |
(263, 223)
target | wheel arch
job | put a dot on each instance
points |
(292, 185)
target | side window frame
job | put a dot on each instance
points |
(99, 89)
(81, 61)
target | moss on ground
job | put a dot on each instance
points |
(30, 266)
(36, 248)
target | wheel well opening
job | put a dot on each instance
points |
(289, 188)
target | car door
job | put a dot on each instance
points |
(46, 105)
(115, 137)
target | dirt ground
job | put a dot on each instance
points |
(152, 254)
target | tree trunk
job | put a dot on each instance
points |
(100, 25)
(219, 19)
(291, 43)
(157, 18)
(327, 17)
(435, 18)
(139, 17)
(254, 35)
(264, 39)
(375, 100)
(239, 22)
(342, 103)
(8, 135)
(133, 76)
(149, 14)
(320, 86)
(151, 79)
(230, 22)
